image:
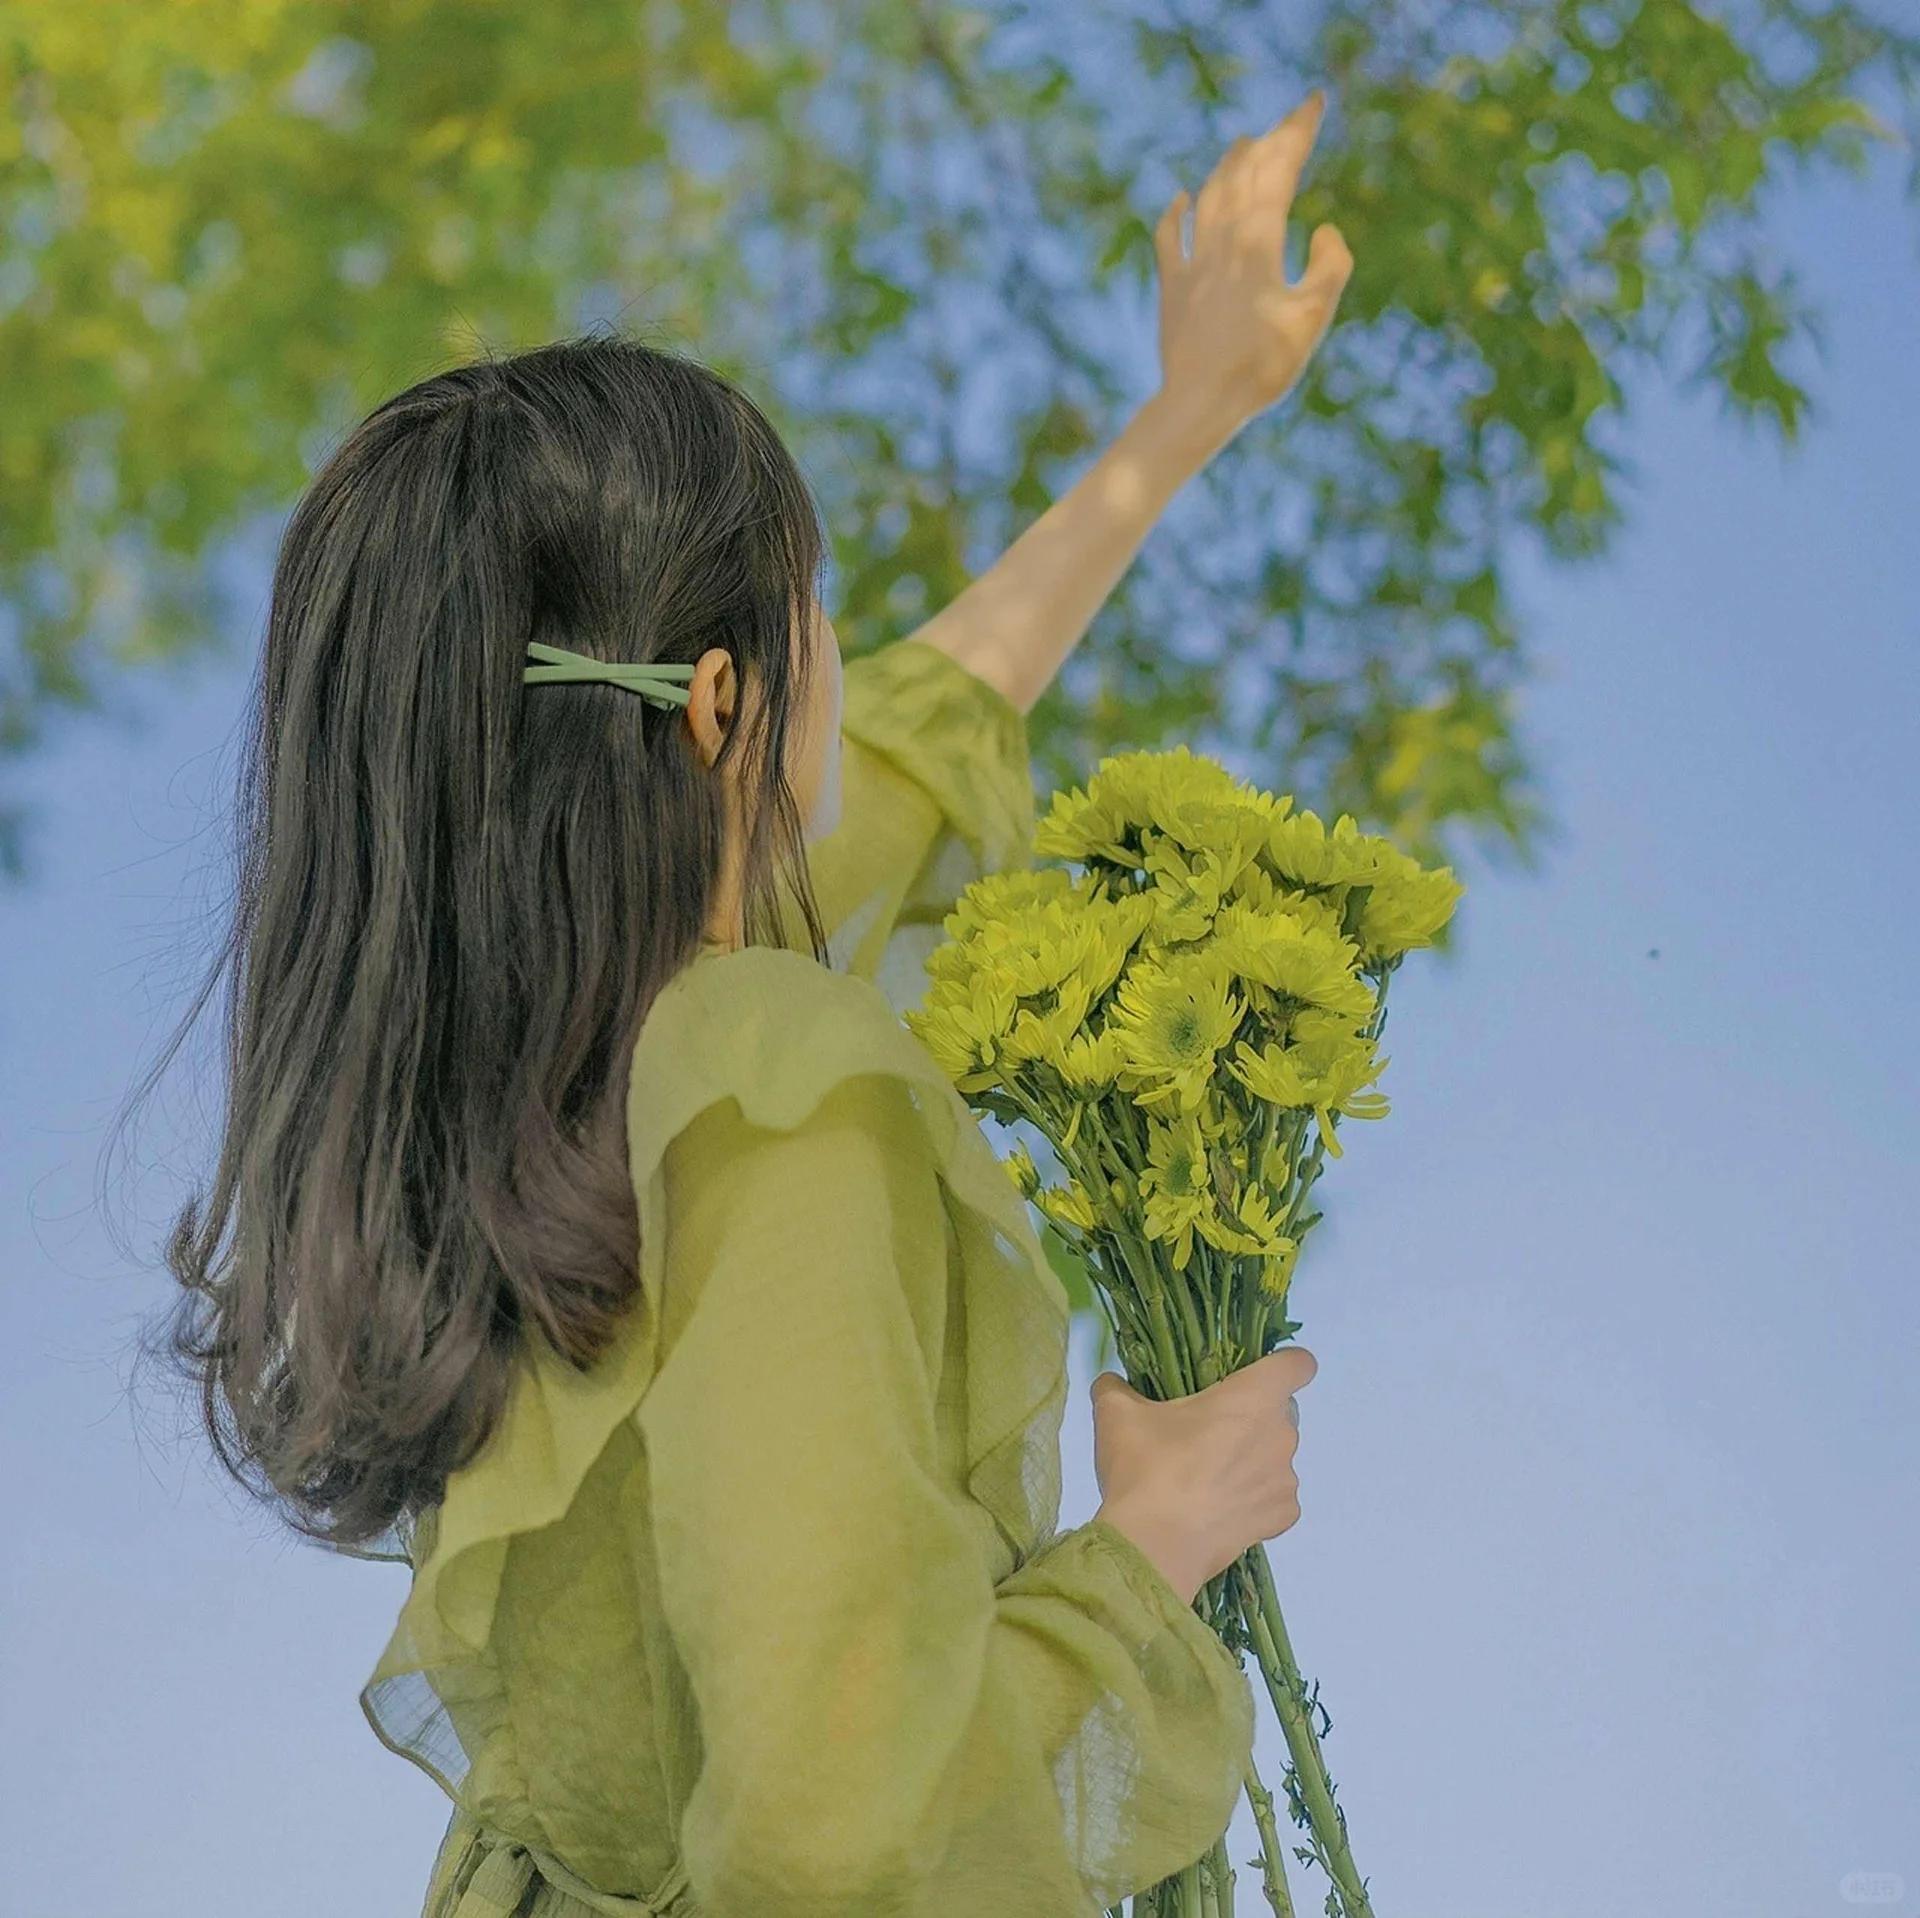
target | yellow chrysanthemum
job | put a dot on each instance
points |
(1189, 886)
(1176, 1187)
(1026, 1040)
(1072, 1004)
(1311, 1072)
(996, 897)
(1271, 1073)
(1090, 822)
(1406, 907)
(1172, 1020)
(964, 1023)
(1217, 949)
(1324, 1075)
(1044, 950)
(1088, 1061)
(1304, 964)
(1230, 829)
(1276, 1273)
(1066, 1204)
(1022, 1171)
(1259, 892)
(1133, 795)
(1304, 853)
(1253, 1229)
(1320, 912)
(1316, 1023)
(1114, 927)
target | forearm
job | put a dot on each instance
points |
(1016, 623)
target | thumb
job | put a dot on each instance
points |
(1329, 262)
(1105, 1384)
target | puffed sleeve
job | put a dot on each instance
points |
(936, 789)
(883, 1729)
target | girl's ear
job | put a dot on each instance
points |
(711, 696)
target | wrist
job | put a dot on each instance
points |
(1190, 427)
(1164, 1545)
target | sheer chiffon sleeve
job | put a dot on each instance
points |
(883, 1728)
(936, 789)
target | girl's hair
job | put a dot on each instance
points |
(458, 895)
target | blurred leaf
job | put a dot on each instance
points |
(925, 243)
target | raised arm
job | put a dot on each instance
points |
(1234, 338)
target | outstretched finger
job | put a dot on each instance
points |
(1282, 155)
(1221, 190)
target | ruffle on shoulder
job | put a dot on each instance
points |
(954, 734)
(777, 1031)
(936, 789)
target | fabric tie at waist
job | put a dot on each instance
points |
(490, 1873)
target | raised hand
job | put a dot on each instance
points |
(1234, 336)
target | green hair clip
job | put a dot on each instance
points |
(649, 680)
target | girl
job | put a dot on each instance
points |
(599, 1233)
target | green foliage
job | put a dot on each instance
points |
(922, 235)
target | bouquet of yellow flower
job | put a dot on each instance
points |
(1185, 1022)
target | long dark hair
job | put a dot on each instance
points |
(457, 896)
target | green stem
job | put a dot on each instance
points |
(1273, 1867)
(1300, 1178)
(1176, 1283)
(1125, 1303)
(1149, 1284)
(1216, 1881)
(1260, 1609)
(1190, 1327)
(1171, 1369)
(1191, 1893)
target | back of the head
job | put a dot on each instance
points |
(458, 895)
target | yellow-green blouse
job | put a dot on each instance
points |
(768, 1614)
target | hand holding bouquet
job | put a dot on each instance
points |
(1185, 1022)
(1195, 1480)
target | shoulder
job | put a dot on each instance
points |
(767, 1038)
(910, 684)
(779, 1139)
(784, 1038)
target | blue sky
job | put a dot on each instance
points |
(1607, 1563)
